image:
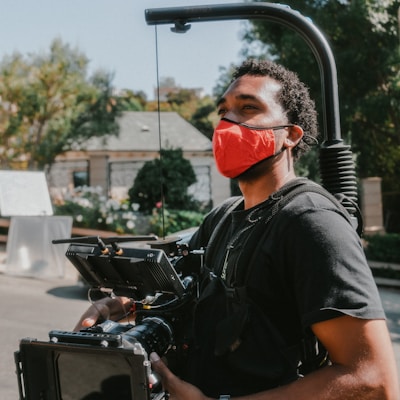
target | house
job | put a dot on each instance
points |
(113, 162)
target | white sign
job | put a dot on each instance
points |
(24, 193)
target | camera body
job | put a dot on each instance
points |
(111, 357)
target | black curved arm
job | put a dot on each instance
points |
(336, 160)
(181, 16)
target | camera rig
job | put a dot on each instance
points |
(111, 359)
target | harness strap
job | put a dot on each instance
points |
(230, 205)
(312, 355)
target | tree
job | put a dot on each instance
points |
(48, 105)
(205, 117)
(188, 103)
(168, 176)
(129, 100)
(199, 111)
(364, 38)
(224, 80)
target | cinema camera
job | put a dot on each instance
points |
(111, 359)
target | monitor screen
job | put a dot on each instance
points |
(136, 273)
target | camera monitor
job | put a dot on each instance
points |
(53, 371)
(138, 272)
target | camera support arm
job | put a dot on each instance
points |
(181, 16)
(336, 163)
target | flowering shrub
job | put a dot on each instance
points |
(174, 220)
(90, 208)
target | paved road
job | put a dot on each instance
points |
(33, 307)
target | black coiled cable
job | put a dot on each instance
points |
(338, 174)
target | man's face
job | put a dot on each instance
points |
(252, 99)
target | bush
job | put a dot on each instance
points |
(388, 273)
(176, 174)
(174, 221)
(91, 209)
(383, 247)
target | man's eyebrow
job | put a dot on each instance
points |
(243, 96)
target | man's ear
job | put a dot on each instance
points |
(295, 133)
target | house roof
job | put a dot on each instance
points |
(139, 131)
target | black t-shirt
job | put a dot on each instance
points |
(303, 266)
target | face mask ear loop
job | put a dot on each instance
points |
(282, 149)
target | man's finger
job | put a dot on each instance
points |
(156, 363)
(159, 367)
(88, 322)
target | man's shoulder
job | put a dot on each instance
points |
(309, 208)
(308, 195)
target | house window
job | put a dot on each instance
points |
(80, 178)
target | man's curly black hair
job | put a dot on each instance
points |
(294, 97)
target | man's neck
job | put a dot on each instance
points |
(266, 178)
(259, 189)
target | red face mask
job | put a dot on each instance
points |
(238, 146)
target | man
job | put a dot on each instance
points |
(283, 277)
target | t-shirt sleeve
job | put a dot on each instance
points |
(325, 262)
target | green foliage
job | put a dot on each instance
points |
(308, 165)
(383, 247)
(386, 272)
(48, 105)
(199, 111)
(100, 110)
(166, 222)
(181, 96)
(129, 100)
(365, 42)
(91, 209)
(203, 119)
(170, 175)
(224, 80)
(188, 103)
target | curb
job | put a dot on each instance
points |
(387, 282)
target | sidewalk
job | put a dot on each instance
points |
(385, 281)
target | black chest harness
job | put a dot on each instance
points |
(243, 324)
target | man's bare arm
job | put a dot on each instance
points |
(363, 367)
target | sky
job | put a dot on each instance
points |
(114, 35)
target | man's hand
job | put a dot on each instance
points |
(107, 308)
(176, 387)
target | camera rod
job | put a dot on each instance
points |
(102, 242)
(336, 161)
(107, 240)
